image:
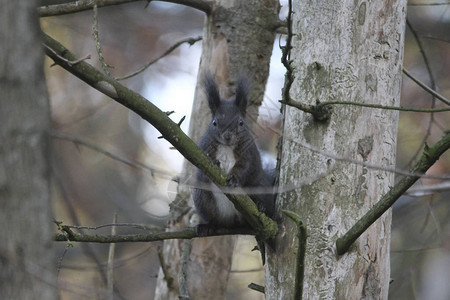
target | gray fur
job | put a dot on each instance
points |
(228, 142)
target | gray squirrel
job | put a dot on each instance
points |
(228, 141)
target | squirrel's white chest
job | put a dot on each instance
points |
(225, 156)
(226, 159)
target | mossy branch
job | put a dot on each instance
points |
(301, 251)
(264, 227)
(188, 233)
(429, 157)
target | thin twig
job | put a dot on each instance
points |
(367, 165)
(429, 4)
(199, 185)
(428, 189)
(42, 274)
(97, 41)
(110, 266)
(320, 113)
(135, 164)
(426, 88)
(61, 258)
(191, 41)
(387, 107)
(69, 62)
(317, 111)
(435, 38)
(117, 262)
(87, 250)
(154, 228)
(82, 5)
(424, 56)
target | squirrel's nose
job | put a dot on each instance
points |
(227, 136)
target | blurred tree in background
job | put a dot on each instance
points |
(27, 248)
(420, 249)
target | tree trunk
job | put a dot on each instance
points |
(342, 51)
(27, 261)
(237, 40)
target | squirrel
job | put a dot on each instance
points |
(228, 141)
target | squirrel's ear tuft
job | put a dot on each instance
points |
(242, 91)
(212, 92)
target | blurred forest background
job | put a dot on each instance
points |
(94, 135)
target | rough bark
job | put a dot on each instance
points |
(348, 51)
(27, 262)
(237, 40)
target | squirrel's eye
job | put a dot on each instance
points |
(241, 122)
(214, 122)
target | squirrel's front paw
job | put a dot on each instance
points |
(232, 180)
(204, 230)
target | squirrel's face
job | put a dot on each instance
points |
(228, 124)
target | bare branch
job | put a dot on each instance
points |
(101, 58)
(322, 113)
(190, 41)
(135, 164)
(429, 4)
(61, 258)
(70, 63)
(320, 108)
(87, 250)
(422, 52)
(430, 37)
(135, 225)
(426, 88)
(110, 266)
(188, 233)
(82, 5)
(409, 109)
(76, 6)
(285, 58)
(428, 189)
(433, 86)
(356, 162)
(205, 6)
(429, 157)
(117, 262)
